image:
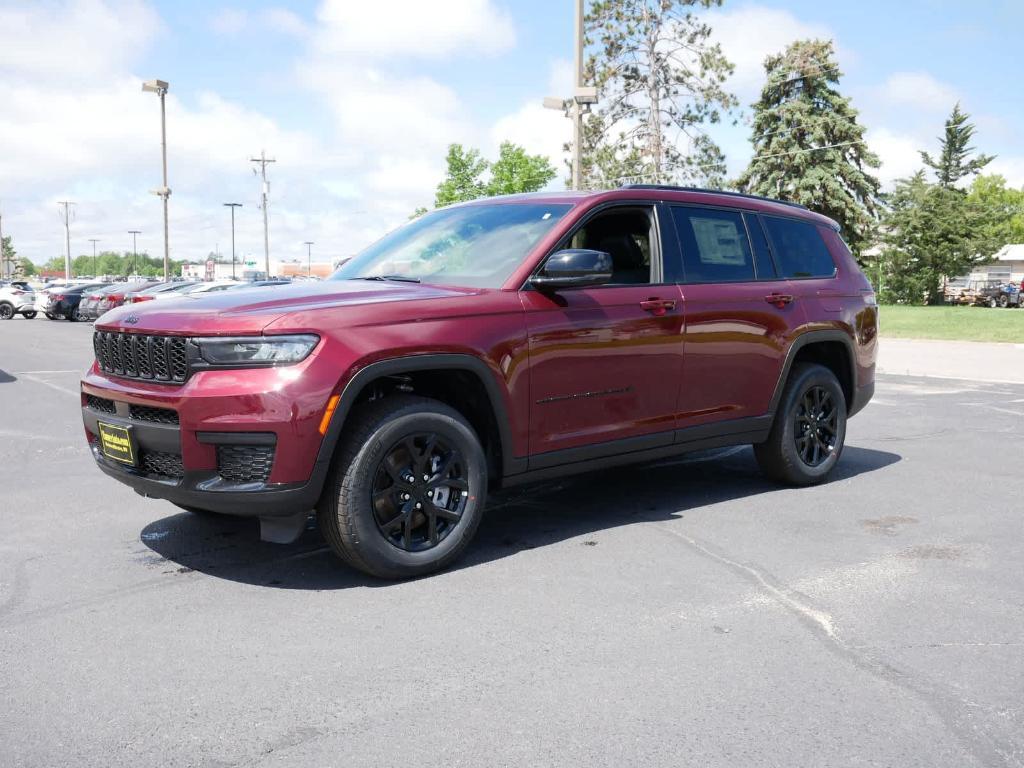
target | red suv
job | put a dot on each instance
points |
(488, 344)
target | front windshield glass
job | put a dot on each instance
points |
(477, 246)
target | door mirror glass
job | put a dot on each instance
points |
(574, 268)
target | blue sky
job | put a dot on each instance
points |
(357, 101)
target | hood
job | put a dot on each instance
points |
(250, 310)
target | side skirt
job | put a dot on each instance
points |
(622, 452)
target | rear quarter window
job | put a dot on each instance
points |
(799, 248)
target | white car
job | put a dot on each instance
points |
(215, 285)
(17, 298)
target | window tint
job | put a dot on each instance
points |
(799, 249)
(762, 256)
(715, 246)
(626, 236)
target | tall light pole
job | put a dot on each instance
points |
(232, 206)
(263, 160)
(135, 253)
(578, 104)
(309, 257)
(67, 215)
(94, 240)
(159, 87)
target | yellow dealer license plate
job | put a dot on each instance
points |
(117, 443)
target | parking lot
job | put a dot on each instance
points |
(681, 613)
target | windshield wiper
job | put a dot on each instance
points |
(398, 278)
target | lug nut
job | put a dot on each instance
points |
(430, 494)
(405, 497)
(418, 505)
(425, 478)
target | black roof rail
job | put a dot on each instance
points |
(673, 188)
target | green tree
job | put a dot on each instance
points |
(661, 82)
(955, 161)
(808, 146)
(26, 266)
(1003, 208)
(8, 256)
(931, 232)
(514, 172)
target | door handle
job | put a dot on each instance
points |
(657, 306)
(779, 299)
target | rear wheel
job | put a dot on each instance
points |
(50, 316)
(807, 436)
(1004, 301)
(6, 311)
(30, 315)
(993, 303)
(73, 316)
(407, 488)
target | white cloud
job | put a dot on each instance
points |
(749, 34)
(234, 21)
(919, 90)
(898, 153)
(413, 28)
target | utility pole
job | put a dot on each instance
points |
(232, 206)
(5, 272)
(67, 216)
(135, 252)
(159, 87)
(309, 257)
(94, 240)
(578, 104)
(263, 160)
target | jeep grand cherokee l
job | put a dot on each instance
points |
(487, 344)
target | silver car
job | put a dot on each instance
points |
(17, 298)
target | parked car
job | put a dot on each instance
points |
(262, 283)
(213, 286)
(117, 297)
(64, 302)
(89, 307)
(17, 298)
(978, 292)
(1008, 295)
(158, 289)
(484, 345)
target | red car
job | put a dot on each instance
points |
(488, 344)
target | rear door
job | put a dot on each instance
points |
(740, 316)
(803, 258)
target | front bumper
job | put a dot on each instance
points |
(245, 442)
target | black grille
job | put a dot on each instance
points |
(156, 415)
(245, 463)
(163, 464)
(137, 356)
(100, 404)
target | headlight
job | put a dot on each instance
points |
(254, 351)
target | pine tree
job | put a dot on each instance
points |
(955, 161)
(660, 83)
(808, 146)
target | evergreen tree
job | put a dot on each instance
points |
(660, 83)
(954, 161)
(808, 146)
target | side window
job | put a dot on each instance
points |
(799, 248)
(715, 246)
(625, 234)
(762, 256)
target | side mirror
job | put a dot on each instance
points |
(574, 268)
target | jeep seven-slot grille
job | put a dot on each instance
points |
(245, 463)
(138, 356)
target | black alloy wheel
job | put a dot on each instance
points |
(816, 426)
(419, 492)
(30, 315)
(6, 311)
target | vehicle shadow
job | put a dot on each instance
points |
(6, 378)
(517, 519)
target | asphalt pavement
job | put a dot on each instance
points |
(686, 612)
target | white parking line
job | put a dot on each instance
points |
(58, 387)
(29, 373)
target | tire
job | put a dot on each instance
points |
(50, 316)
(992, 303)
(72, 316)
(780, 456)
(1004, 301)
(6, 311)
(362, 514)
(30, 315)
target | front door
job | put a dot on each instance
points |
(605, 361)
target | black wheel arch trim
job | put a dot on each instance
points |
(511, 465)
(816, 337)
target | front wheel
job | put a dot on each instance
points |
(993, 303)
(6, 311)
(407, 488)
(809, 430)
(30, 315)
(1004, 301)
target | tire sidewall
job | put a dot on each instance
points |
(7, 311)
(811, 377)
(360, 475)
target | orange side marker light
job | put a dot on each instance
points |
(328, 412)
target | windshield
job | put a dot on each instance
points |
(476, 246)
